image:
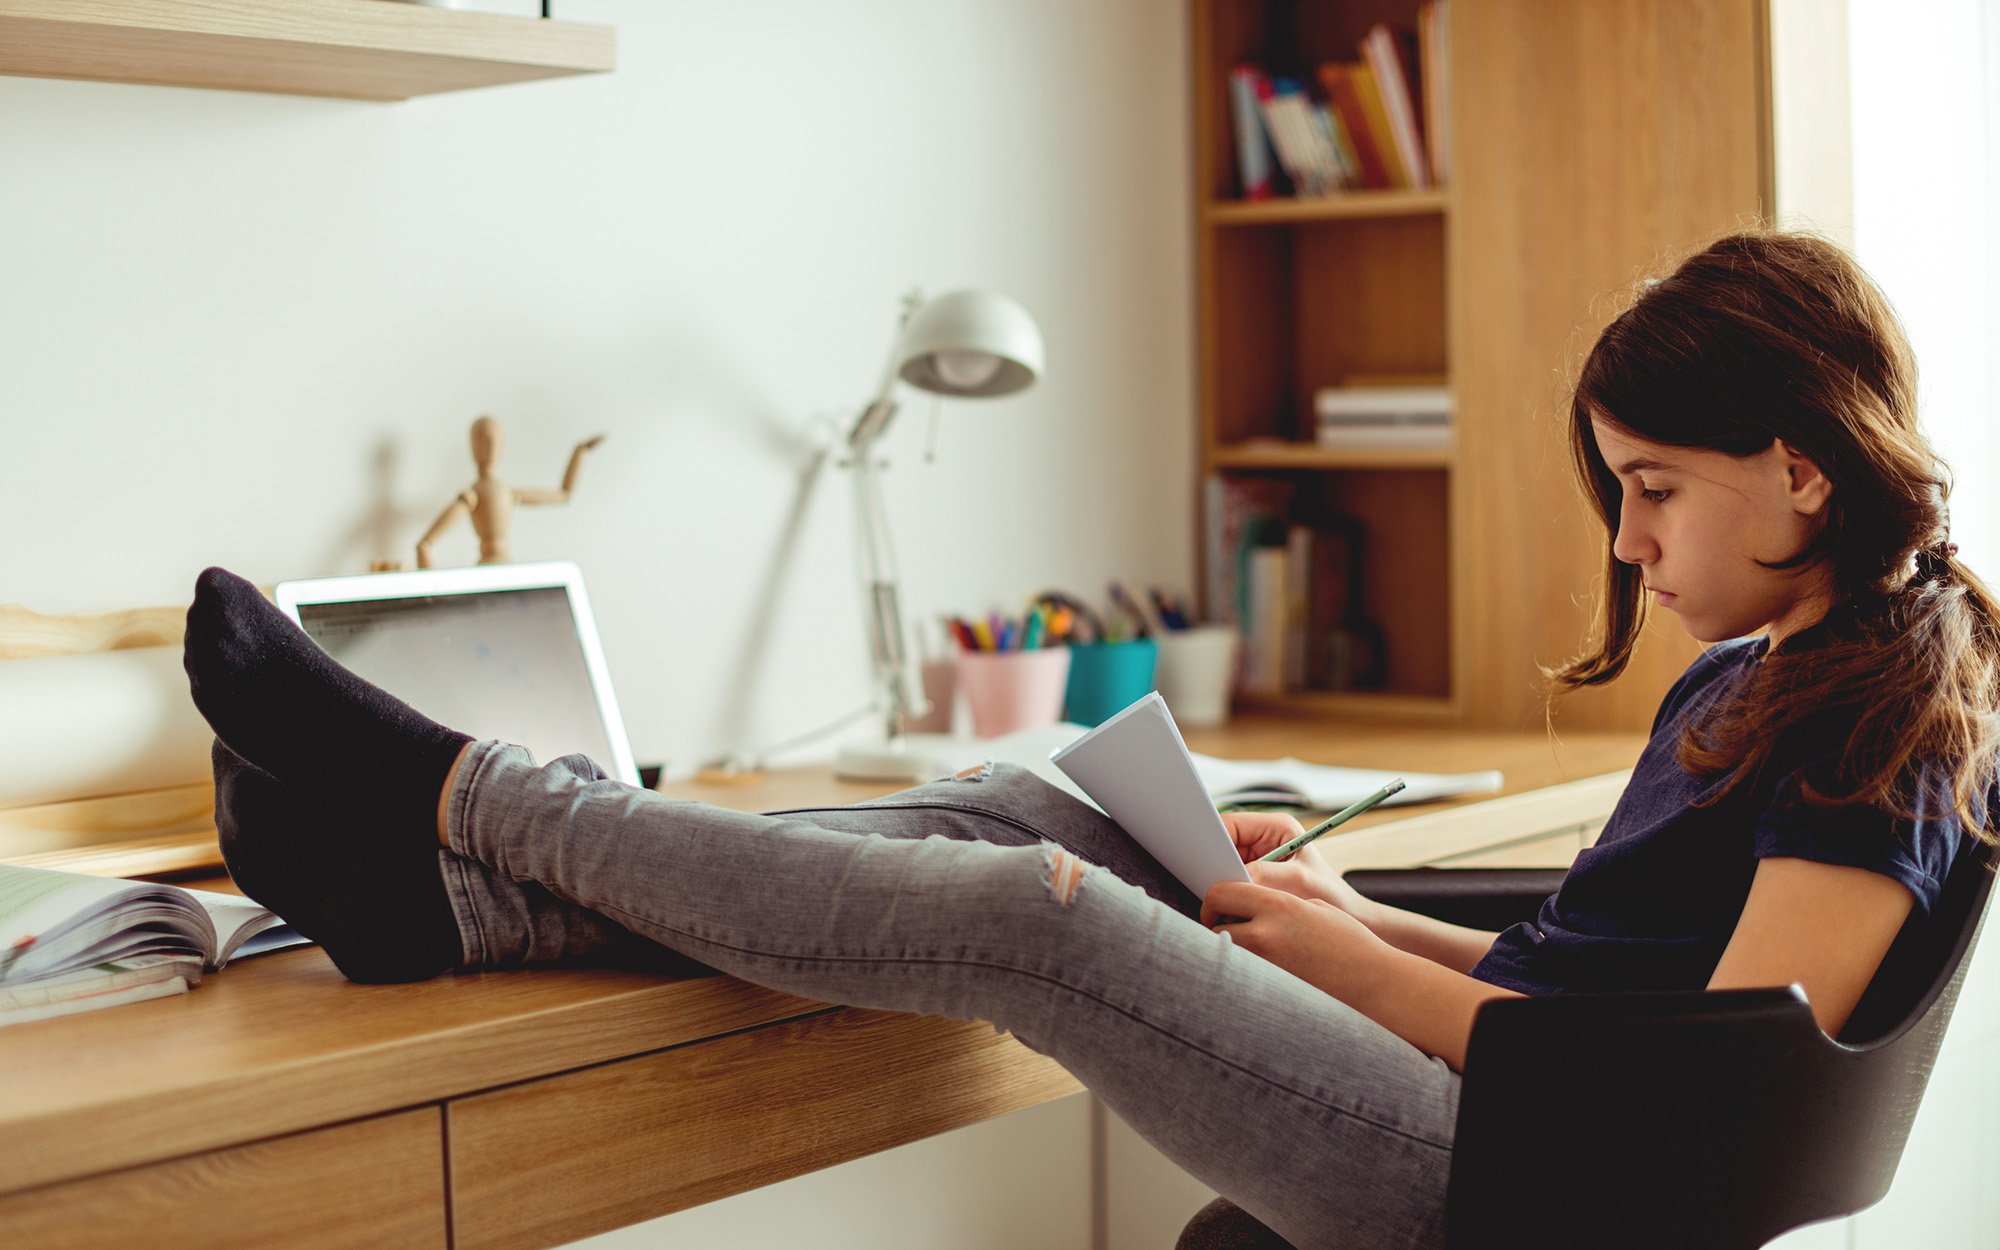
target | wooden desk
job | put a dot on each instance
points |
(279, 1104)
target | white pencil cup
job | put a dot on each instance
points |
(1197, 672)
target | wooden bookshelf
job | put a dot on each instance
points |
(1292, 208)
(353, 49)
(1587, 143)
(1278, 453)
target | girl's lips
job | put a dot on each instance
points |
(1665, 600)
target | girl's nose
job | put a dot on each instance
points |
(1632, 544)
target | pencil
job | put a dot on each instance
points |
(1331, 823)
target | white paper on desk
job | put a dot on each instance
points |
(1326, 787)
(1139, 771)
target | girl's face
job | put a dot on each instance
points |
(1697, 522)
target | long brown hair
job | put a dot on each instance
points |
(1769, 335)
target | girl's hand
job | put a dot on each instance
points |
(1260, 833)
(1309, 938)
(1305, 874)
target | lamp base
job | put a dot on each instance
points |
(889, 761)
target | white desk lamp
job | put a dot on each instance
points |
(968, 344)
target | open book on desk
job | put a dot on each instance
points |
(70, 942)
(1323, 787)
(1135, 755)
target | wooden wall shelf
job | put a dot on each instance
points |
(349, 49)
(1278, 453)
(1291, 209)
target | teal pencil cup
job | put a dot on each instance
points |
(1107, 677)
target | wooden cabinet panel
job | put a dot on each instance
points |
(1592, 143)
(562, 1158)
(377, 1183)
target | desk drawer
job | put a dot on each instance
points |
(569, 1156)
(376, 1182)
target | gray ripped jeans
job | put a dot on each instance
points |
(991, 896)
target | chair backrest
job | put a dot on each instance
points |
(1696, 1119)
(1714, 1119)
(1922, 970)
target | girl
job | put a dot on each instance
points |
(1747, 432)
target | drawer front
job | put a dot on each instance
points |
(376, 1182)
(569, 1156)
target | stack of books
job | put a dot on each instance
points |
(1372, 123)
(1408, 417)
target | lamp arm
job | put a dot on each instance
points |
(873, 420)
(888, 644)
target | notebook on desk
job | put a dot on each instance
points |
(507, 651)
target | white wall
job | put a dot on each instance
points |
(1926, 100)
(251, 329)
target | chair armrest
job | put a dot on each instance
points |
(1666, 1119)
(1483, 898)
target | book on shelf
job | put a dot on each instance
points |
(70, 942)
(1253, 149)
(1267, 621)
(1298, 604)
(1239, 515)
(1414, 416)
(1301, 136)
(1375, 115)
(1434, 73)
(1344, 97)
(1392, 63)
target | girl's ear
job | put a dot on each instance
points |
(1807, 487)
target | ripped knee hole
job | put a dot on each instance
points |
(1065, 874)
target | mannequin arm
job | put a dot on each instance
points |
(459, 508)
(569, 477)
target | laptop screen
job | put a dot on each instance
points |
(504, 664)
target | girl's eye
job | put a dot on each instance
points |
(1655, 496)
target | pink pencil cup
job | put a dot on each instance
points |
(1013, 690)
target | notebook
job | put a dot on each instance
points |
(1138, 769)
(506, 651)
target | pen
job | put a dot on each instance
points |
(1340, 817)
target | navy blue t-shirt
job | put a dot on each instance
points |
(1652, 905)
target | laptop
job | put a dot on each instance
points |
(506, 651)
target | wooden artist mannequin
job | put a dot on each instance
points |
(490, 502)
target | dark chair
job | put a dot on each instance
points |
(1712, 1119)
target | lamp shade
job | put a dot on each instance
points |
(970, 343)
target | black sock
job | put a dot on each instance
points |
(280, 702)
(372, 896)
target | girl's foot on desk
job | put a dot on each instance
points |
(281, 703)
(372, 896)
